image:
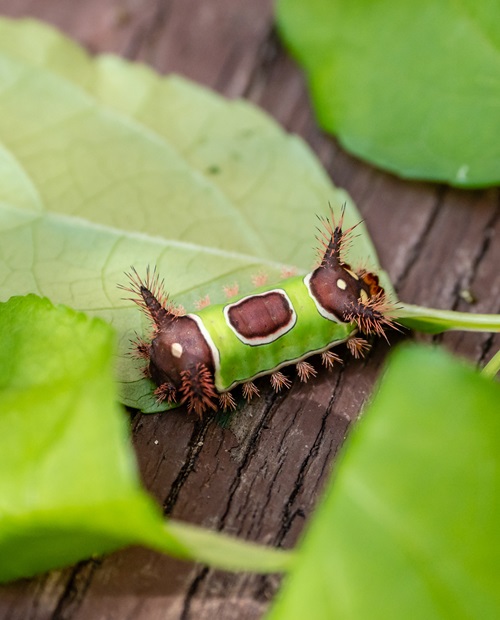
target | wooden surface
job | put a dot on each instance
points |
(260, 477)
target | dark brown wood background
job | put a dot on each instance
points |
(260, 477)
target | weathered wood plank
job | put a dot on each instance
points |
(260, 477)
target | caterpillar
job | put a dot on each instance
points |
(198, 358)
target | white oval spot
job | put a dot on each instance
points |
(176, 349)
(341, 284)
(363, 295)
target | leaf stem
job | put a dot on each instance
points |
(434, 321)
(492, 368)
(221, 550)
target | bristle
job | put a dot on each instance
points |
(198, 389)
(288, 272)
(279, 381)
(360, 268)
(202, 303)
(226, 401)
(329, 358)
(232, 290)
(140, 348)
(305, 370)
(372, 316)
(260, 279)
(166, 392)
(250, 390)
(176, 310)
(358, 347)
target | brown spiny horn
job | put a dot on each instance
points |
(156, 311)
(149, 295)
(333, 240)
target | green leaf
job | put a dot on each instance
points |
(410, 86)
(68, 481)
(409, 526)
(69, 486)
(104, 164)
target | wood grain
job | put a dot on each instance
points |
(260, 477)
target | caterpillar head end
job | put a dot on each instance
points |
(344, 294)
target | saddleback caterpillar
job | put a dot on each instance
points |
(198, 358)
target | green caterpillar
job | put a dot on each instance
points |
(198, 358)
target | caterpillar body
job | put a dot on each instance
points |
(198, 358)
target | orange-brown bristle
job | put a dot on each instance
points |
(140, 348)
(358, 347)
(202, 303)
(372, 316)
(279, 381)
(176, 310)
(250, 390)
(226, 401)
(305, 370)
(288, 272)
(329, 358)
(198, 389)
(166, 392)
(231, 290)
(260, 279)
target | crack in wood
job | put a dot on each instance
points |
(191, 593)
(43, 592)
(415, 251)
(249, 453)
(252, 446)
(75, 590)
(477, 259)
(289, 514)
(267, 585)
(196, 444)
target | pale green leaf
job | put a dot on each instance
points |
(104, 164)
